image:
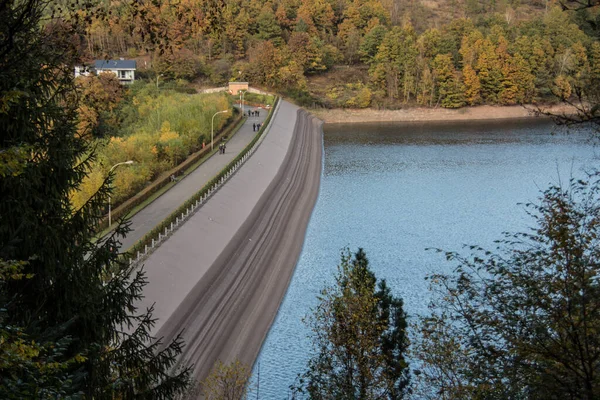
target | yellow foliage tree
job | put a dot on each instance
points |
(472, 86)
(227, 382)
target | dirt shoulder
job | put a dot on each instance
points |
(436, 114)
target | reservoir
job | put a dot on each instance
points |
(397, 190)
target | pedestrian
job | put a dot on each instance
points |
(221, 148)
(257, 113)
(253, 127)
(224, 148)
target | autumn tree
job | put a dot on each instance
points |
(450, 88)
(75, 305)
(523, 321)
(99, 97)
(227, 382)
(307, 51)
(472, 86)
(394, 66)
(489, 71)
(359, 334)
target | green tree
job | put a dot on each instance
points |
(370, 43)
(83, 293)
(489, 71)
(359, 334)
(307, 51)
(227, 382)
(450, 88)
(517, 80)
(522, 322)
(268, 28)
(395, 64)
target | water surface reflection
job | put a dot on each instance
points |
(396, 190)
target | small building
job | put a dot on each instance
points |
(123, 69)
(235, 87)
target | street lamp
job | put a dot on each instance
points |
(109, 171)
(242, 93)
(212, 124)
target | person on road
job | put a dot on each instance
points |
(253, 127)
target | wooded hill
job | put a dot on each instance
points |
(450, 53)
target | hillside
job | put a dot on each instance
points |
(363, 53)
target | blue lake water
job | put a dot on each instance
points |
(396, 190)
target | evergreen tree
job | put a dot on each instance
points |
(489, 70)
(472, 86)
(450, 88)
(359, 333)
(268, 28)
(77, 297)
(370, 43)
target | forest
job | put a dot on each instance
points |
(362, 53)
(334, 54)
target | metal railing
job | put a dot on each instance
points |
(143, 248)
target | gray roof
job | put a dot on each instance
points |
(115, 64)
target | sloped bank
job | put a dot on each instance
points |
(221, 277)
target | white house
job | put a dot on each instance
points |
(123, 69)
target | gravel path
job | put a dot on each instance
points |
(223, 274)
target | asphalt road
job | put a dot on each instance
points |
(222, 275)
(153, 214)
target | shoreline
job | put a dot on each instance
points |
(423, 114)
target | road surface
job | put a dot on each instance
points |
(222, 275)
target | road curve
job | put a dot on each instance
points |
(228, 313)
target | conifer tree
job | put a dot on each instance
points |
(489, 71)
(359, 333)
(472, 86)
(450, 88)
(76, 301)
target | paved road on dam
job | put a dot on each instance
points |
(222, 275)
(153, 214)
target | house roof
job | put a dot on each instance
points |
(115, 64)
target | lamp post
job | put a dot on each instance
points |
(109, 171)
(212, 129)
(242, 93)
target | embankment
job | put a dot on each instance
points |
(221, 277)
(421, 114)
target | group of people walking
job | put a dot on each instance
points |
(222, 148)
(256, 127)
(253, 113)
